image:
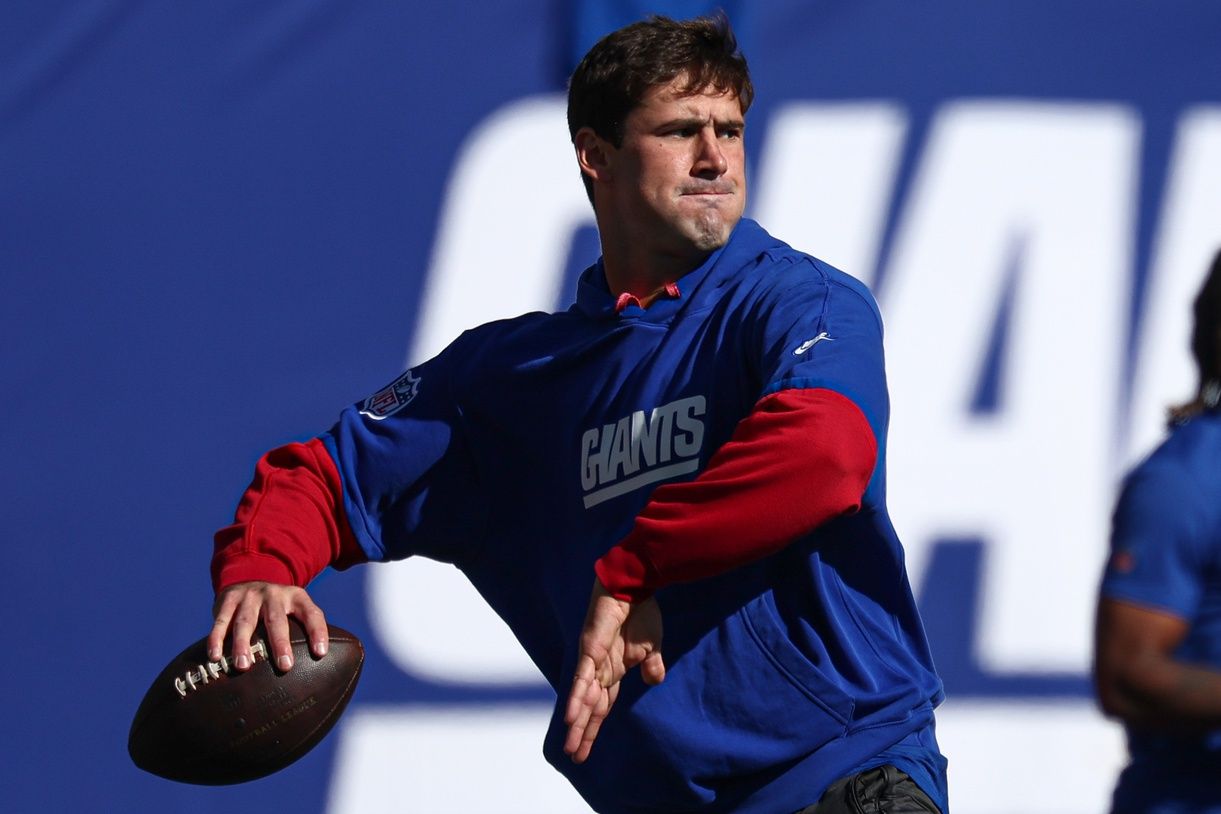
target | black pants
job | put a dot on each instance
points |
(884, 790)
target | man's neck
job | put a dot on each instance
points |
(643, 275)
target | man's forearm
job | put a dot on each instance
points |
(799, 459)
(290, 523)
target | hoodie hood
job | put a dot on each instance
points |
(745, 245)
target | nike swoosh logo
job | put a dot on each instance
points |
(809, 343)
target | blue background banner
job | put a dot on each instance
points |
(220, 223)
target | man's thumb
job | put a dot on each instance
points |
(653, 668)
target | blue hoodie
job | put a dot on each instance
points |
(524, 451)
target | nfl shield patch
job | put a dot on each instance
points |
(389, 400)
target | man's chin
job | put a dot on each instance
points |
(708, 234)
(709, 243)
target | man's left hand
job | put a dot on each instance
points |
(618, 636)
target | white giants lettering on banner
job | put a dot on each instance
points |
(1019, 226)
(832, 202)
(509, 213)
(1034, 203)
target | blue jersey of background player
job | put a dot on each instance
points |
(701, 436)
(1158, 660)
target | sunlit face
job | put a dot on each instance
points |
(678, 180)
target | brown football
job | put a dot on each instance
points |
(204, 722)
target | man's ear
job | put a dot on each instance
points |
(594, 154)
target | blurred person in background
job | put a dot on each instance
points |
(1157, 664)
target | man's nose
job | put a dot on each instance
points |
(710, 161)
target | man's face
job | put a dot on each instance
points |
(679, 178)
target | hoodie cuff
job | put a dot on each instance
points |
(625, 574)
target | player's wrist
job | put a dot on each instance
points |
(625, 575)
(250, 566)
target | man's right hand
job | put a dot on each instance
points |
(239, 609)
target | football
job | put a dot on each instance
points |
(204, 722)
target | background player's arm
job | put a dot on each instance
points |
(1138, 678)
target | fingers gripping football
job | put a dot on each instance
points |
(240, 608)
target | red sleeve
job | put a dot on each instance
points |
(800, 458)
(290, 523)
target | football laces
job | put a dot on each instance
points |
(209, 671)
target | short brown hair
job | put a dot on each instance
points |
(613, 77)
